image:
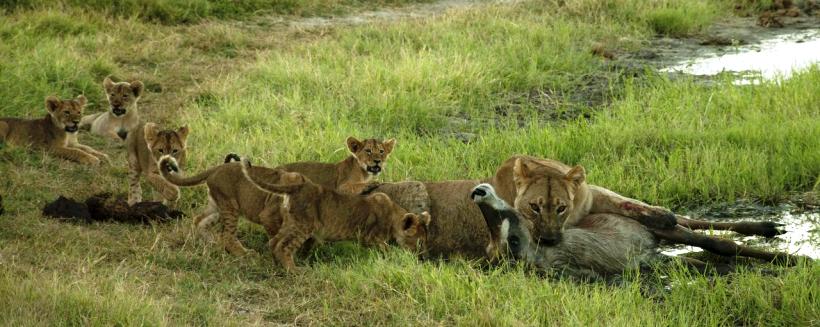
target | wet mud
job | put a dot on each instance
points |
(800, 218)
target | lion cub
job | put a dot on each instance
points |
(145, 145)
(122, 117)
(351, 175)
(325, 214)
(231, 194)
(56, 132)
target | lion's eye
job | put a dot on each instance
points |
(66, 113)
(112, 94)
(535, 208)
(367, 151)
(561, 209)
(174, 151)
(381, 151)
(161, 151)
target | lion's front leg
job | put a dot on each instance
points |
(606, 201)
(92, 151)
(75, 155)
(168, 191)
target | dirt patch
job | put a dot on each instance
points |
(589, 93)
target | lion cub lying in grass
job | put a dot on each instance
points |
(55, 133)
(313, 211)
(145, 145)
(122, 117)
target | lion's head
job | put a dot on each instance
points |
(166, 142)
(122, 95)
(66, 114)
(371, 154)
(545, 195)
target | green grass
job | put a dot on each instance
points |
(192, 11)
(280, 95)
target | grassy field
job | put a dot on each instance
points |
(282, 93)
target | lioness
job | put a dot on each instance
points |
(145, 145)
(603, 244)
(460, 229)
(565, 203)
(122, 117)
(55, 133)
(598, 246)
(325, 214)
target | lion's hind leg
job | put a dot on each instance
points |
(724, 247)
(606, 201)
(762, 228)
(230, 218)
(288, 241)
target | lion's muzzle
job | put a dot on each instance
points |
(73, 127)
(375, 169)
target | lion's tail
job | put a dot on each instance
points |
(265, 186)
(169, 169)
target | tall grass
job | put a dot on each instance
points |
(192, 11)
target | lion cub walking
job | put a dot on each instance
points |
(122, 117)
(55, 133)
(145, 145)
(313, 211)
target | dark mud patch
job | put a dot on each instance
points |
(588, 94)
(800, 218)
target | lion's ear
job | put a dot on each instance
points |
(388, 145)
(136, 88)
(53, 103)
(411, 223)
(354, 145)
(108, 84)
(521, 172)
(151, 131)
(576, 175)
(81, 100)
(183, 133)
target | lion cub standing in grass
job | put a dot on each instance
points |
(145, 145)
(122, 117)
(313, 211)
(230, 194)
(55, 133)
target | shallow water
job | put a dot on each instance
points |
(769, 59)
(802, 235)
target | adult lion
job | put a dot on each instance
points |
(551, 196)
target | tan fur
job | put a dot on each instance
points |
(552, 196)
(55, 133)
(350, 175)
(145, 145)
(460, 229)
(328, 215)
(230, 194)
(122, 116)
